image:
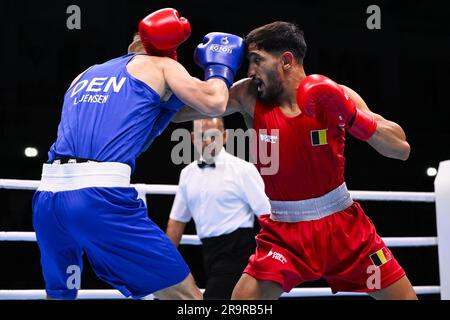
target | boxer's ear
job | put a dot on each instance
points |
(287, 59)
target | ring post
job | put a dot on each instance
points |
(442, 191)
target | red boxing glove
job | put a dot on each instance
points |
(318, 95)
(163, 31)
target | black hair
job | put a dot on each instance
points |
(277, 37)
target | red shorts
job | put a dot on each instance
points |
(343, 248)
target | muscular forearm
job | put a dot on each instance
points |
(389, 140)
(237, 92)
(175, 230)
(188, 114)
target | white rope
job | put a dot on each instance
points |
(190, 239)
(187, 239)
(19, 184)
(325, 292)
(194, 240)
(393, 196)
(172, 189)
(17, 236)
(156, 188)
(114, 294)
(410, 241)
(41, 294)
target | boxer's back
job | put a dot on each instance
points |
(109, 115)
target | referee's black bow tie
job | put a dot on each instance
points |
(204, 164)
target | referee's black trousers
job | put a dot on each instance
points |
(225, 258)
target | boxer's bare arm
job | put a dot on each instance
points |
(241, 99)
(209, 97)
(162, 74)
(188, 113)
(389, 138)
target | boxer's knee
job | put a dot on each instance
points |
(399, 290)
(185, 290)
(249, 288)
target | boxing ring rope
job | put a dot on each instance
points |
(441, 197)
(165, 189)
(190, 239)
(114, 294)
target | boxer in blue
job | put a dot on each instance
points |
(111, 114)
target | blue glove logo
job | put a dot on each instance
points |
(220, 55)
(220, 48)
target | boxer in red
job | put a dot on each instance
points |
(315, 229)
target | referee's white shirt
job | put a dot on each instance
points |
(220, 199)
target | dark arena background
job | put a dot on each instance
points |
(400, 69)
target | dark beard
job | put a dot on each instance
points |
(272, 91)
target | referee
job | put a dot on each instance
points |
(222, 194)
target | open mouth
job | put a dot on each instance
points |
(259, 84)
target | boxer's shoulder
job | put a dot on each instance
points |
(149, 69)
(146, 61)
(245, 92)
(149, 63)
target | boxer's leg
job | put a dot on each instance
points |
(185, 290)
(399, 290)
(279, 263)
(125, 248)
(360, 261)
(249, 288)
(61, 256)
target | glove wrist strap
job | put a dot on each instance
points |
(220, 71)
(363, 126)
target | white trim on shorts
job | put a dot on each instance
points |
(74, 176)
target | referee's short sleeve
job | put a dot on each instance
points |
(180, 210)
(253, 190)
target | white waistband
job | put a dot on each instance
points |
(73, 176)
(312, 209)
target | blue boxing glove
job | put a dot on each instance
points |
(220, 56)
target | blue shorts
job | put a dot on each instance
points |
(110, 225)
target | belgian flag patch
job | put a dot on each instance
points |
(319, 137)
(381, 257)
